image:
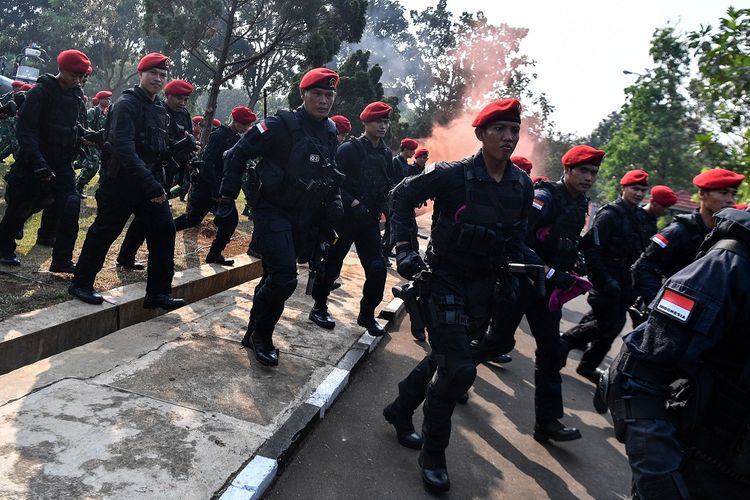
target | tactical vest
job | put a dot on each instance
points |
(560, 249)
(58, 133)
(626, 243)
(370, 185)
(476, 239)
(685, 254)
(309, 172)
(151, 129)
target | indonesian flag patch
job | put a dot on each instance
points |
(676, 306)
(660, 240)
(261, 126)
(538, 204)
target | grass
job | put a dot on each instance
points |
(31, 286)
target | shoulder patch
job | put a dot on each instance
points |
(676, 305)
(537, 203)
(660, 240)
(262, 127)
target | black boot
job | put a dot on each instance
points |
(86, 294)
(320, 316)
(9, 259)
(265, 352)
(555, 431)
(418, 335)
(131, 266)
(162, 301)
(62, 267)
(372, 325)
(589, 374)
(405, 433)
(219, 259)
(434, 476)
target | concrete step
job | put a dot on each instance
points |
(30, 337)
(173, 407)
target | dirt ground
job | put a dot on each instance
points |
(31, 286)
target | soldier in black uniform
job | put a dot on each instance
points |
(481, 206)
(204, 193)
(679, 391)
(343, 127)
(523, 163)
(399, 170)
(617, 239)
(180, 127)
(676, 246)
(298, 180)
(137, 140)
(95, 121)
(554, 233)
(365, 161)
(43, 175)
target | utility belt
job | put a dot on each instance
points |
(711, 414)
(427, 309)
(473, 269)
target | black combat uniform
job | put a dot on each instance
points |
(679, 391)
(205, 191)
(398, 172)
(618, 239)
(47, 137)
(367, 171)
(298, 179)
(137, 142)
(478, 225)
(555, 224)
(180, 124)
(669, 251)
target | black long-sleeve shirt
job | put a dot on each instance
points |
(220, 140)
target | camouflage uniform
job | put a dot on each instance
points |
(90, 163)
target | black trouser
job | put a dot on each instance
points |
(601, 326)
(277, 236)
(199, 205)
(461, 305)
(364, 233)
(116, 201)
(551, 352)
(23, 200)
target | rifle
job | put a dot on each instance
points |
(322, 241)
(534, 272)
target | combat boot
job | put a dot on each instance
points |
(555, 431)
(320, 316)
(405, 433)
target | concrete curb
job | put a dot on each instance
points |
(29, 337)
(260, 472)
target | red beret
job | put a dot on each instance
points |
(507, 110)
(538, 178)
(74, 61)
(243, 115)
(216, 122)
(632, 177)
(409, 143)
(663, 195)
(320, 78)
(26, 86)
(16, 84)
(421, 152)
(197, 119)
(374, 111)
(343, 125)
(718, 178)
(94, 100)
(89, 70)
(153, 60)
(522, 163)
(178, 87)
(103, 94)
(740, 206)
(582, 155)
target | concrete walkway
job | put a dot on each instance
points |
(174, 407)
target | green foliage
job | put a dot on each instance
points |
(657, 126)
(723, 92)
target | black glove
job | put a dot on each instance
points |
(408, 262)
(611, 287)
(43, 173)
(360, 210)
(561, 280)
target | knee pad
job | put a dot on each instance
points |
(283, 287)
(455, 380)
(377, 267)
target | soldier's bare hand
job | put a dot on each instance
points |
(159, 199)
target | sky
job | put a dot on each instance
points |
(583, 46)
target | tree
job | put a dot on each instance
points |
(723, 91)
(658, 125)
(231, 37)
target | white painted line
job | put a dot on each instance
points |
(253, 480)
(329, 389)
(370, 341)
